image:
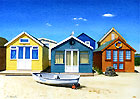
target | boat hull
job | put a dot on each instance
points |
(51, 79)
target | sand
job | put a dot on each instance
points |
(124, 86)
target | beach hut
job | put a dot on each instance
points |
(2, 53)
(110, 35)
(116, 53)
(50, 44)
(87, 39)
(25, 52)
(72, 55)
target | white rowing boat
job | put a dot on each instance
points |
(56, 79)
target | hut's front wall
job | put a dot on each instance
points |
(128, 65)
(83, 68)
(11, 64)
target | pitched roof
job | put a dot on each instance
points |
(32, 37)
(75, 39)
(103, 46)
(2, 41)
(105, 35)
(109, 43)
(48, 40)
(86, 35)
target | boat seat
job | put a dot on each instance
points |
(56, 77)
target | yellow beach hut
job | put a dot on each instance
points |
(25, 52)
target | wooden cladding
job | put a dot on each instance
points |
(118, 58)
(2, 58)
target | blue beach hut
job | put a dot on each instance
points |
(72, 55)
(87, 39)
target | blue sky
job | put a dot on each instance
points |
(56, 19)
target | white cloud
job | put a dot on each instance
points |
(76, 24)
(108, 15)
(80, 18)
(48, 24)
(74, 18)
(84, 19)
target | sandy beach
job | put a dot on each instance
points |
(124, 86)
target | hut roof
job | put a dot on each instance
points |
(103, 46)
(2, 41)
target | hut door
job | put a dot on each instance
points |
(118, 60)
(24, 58)
(71, 61)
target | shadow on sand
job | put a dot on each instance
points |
(65, 86)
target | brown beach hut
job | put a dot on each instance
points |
(113, 50)
(2, 53)
(116, 53)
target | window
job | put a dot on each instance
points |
(128, 55)
(120, 66)
(115, 66)
(87, 42)
(13, 52)
(108, 54)
(114, 56)
(120, 56)
(24, 40)
(20, 53)
(84, 57)
(113, 36)
(59, 57)
(68, 58)
(27, 52)
(35, 53)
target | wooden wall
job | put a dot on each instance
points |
(2, 58)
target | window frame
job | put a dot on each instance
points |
(80, 57)
(116, 56)
(88, 42)
(11, 50)
(130, 55)
(122, 55)
(115, 65)
(122, 65)
(106, 55)
(24, 39)
(32, 53)
(112, 36)
(55, 58)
